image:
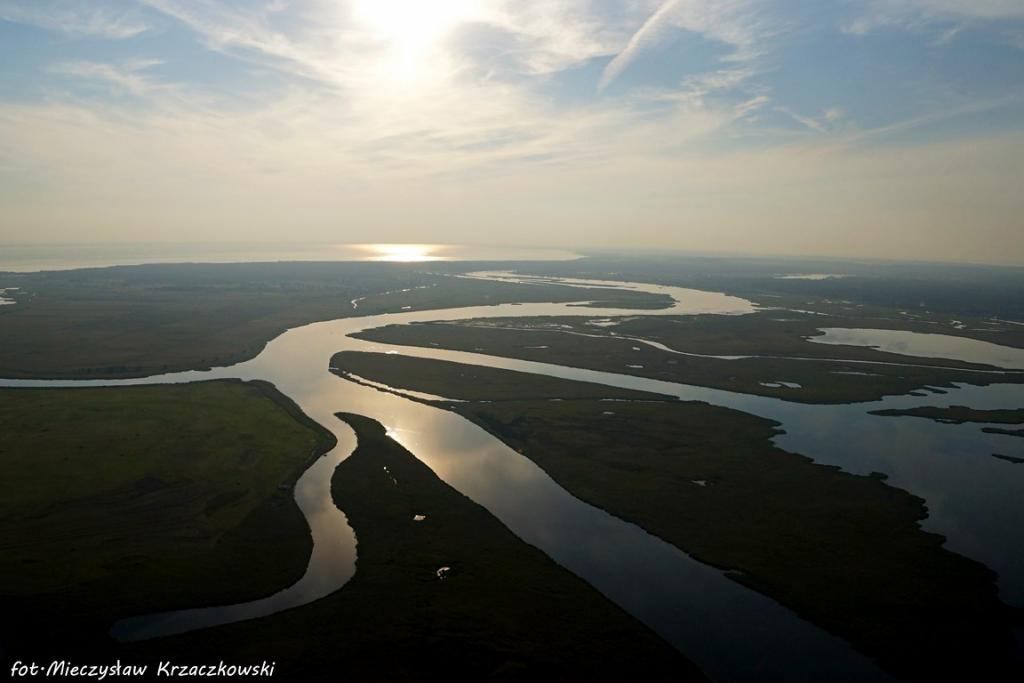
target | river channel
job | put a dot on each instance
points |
(731, 632)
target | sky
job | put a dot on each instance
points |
(870, 128)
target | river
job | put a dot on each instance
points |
(732, 633)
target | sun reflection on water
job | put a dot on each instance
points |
(405, 253)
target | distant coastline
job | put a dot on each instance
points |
(28, 258)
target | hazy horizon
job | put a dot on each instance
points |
(889, 129)
(39, 256)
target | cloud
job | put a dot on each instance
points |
(127, 77)
(918, 14)
(247, 32)
(645, 36)
(75, 18)
(481, 129)
(326, 42)
(806, 121)
(233, 178)
(980, 9)
(950, 110)
(736, 23)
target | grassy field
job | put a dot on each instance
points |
(119, 501)
(976, 301)
(453, 292)
(551, 340)
(845, 551)
(140, 320)
(775, 332)
(471, 382)
(134, 321)
(503, 612)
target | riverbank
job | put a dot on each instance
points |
(788, 366)
(132, 500)
(844, 551)
(442, 591)
(136, 321)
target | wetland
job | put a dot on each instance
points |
(746, 516)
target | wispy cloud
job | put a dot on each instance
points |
(128, 76)
(75, 18)
(806, 121)
(646, 35)
(736, 23)
(246, 32)
(981, 9)
(920, 14)
(474, 112)
(950, 111)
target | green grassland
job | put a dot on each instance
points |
(139, 320)
(462, 382)
(133, 321)
(975, 301)
(505, 611)
(119, 501)
(844, 551)
(122, 501)
(455, 292)
(559, 340)
(776, 332)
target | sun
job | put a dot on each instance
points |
(412, 32)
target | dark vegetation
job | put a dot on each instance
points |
(1005, 432)
(140, 320)
(470, 382)
(454, 292)
(121, 501)
(934, 291)
(612, 349)
(126, 501)
(959, 415)
(504, 611)
(133, 321)
(845, 551)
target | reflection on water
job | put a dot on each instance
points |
(926, 345)
(729, 631)
(35, 257)
(687, 301)
(811, 276)
(973, 499)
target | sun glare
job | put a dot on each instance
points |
(412, 31)
(405, 253)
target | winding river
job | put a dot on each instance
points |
(732, 633)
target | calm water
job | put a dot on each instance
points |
(731, 632)
(926, 345)
(36, 257)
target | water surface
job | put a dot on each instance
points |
(729, 631)
(925, 345)
(39, 257)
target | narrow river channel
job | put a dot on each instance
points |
(732, 633)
